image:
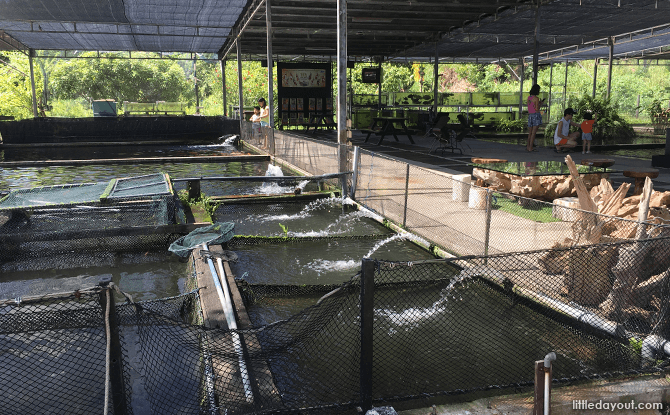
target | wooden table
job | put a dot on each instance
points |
(597, 162)
(383, 126)
(320, 120)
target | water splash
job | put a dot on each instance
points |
(412, 317)
(230, 141)
(272, 187)
(325, 265)
(344, 224)
(385, 241)
(304, 213)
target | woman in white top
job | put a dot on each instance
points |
(562, 136)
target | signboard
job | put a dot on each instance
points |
(371, 75)
(303, 78)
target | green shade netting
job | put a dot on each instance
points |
(216, 233)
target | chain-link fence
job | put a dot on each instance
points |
(394, 332)
(316, 157)
(466, 219)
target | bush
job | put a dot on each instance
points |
(660, 117)
(610, 127)
(511, 126)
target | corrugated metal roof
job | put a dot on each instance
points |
(121, 25)
(412, 29)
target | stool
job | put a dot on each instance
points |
(604, 163)
(460, 187)
(482, 160)
(640, 175)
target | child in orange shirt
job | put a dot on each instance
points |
(587, 129)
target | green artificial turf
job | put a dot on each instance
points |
(538, 211)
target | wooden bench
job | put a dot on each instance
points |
(640, 175)
(482, 160)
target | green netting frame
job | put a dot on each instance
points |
(59, 195)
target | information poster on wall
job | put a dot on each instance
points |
(303, 78)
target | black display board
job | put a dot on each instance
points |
(304, 90)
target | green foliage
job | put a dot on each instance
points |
(15, 89)
(207, 204)
(71, 108)
(284, 229)
(609, 126)
(509, 126)
(111, 77)
(655, 111)
(635, 345)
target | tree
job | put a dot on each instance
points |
(15, 89)
(112, 77)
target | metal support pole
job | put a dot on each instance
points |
(436, 73)
(222, 64)
(193, 189)
(521, 76)
(268, 23)
(240, 93)
(610, 42)
(404, 216)
(637, 108)
(31, 53)
(354, 177)
(538, 401)
(595, 76)
(489, 208)
(367, 326)
(342, 89)
(565, 85)
(379, 90)
(551, 78)
(195, 83)
(118, 391)
(536, 51)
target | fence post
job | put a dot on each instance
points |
(367, 322)
(193, 189)
(404, 215)
(487, 232)
(354, 177)
(637, 109)
(118, 391)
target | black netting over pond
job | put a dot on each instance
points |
(396, 331)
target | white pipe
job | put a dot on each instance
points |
(226, 304)
(547, 381)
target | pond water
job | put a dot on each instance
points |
(428, 339)
(92, 152)
(144, 275)
(23, 177)
(321, 217)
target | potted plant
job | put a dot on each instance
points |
(659, 117)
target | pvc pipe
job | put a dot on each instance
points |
(227, 306)
(586, 317)
(236, 337)
(654, 344)
(547, 381)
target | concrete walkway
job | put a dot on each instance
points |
(456, 163)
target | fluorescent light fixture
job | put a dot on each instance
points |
(370, 20)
